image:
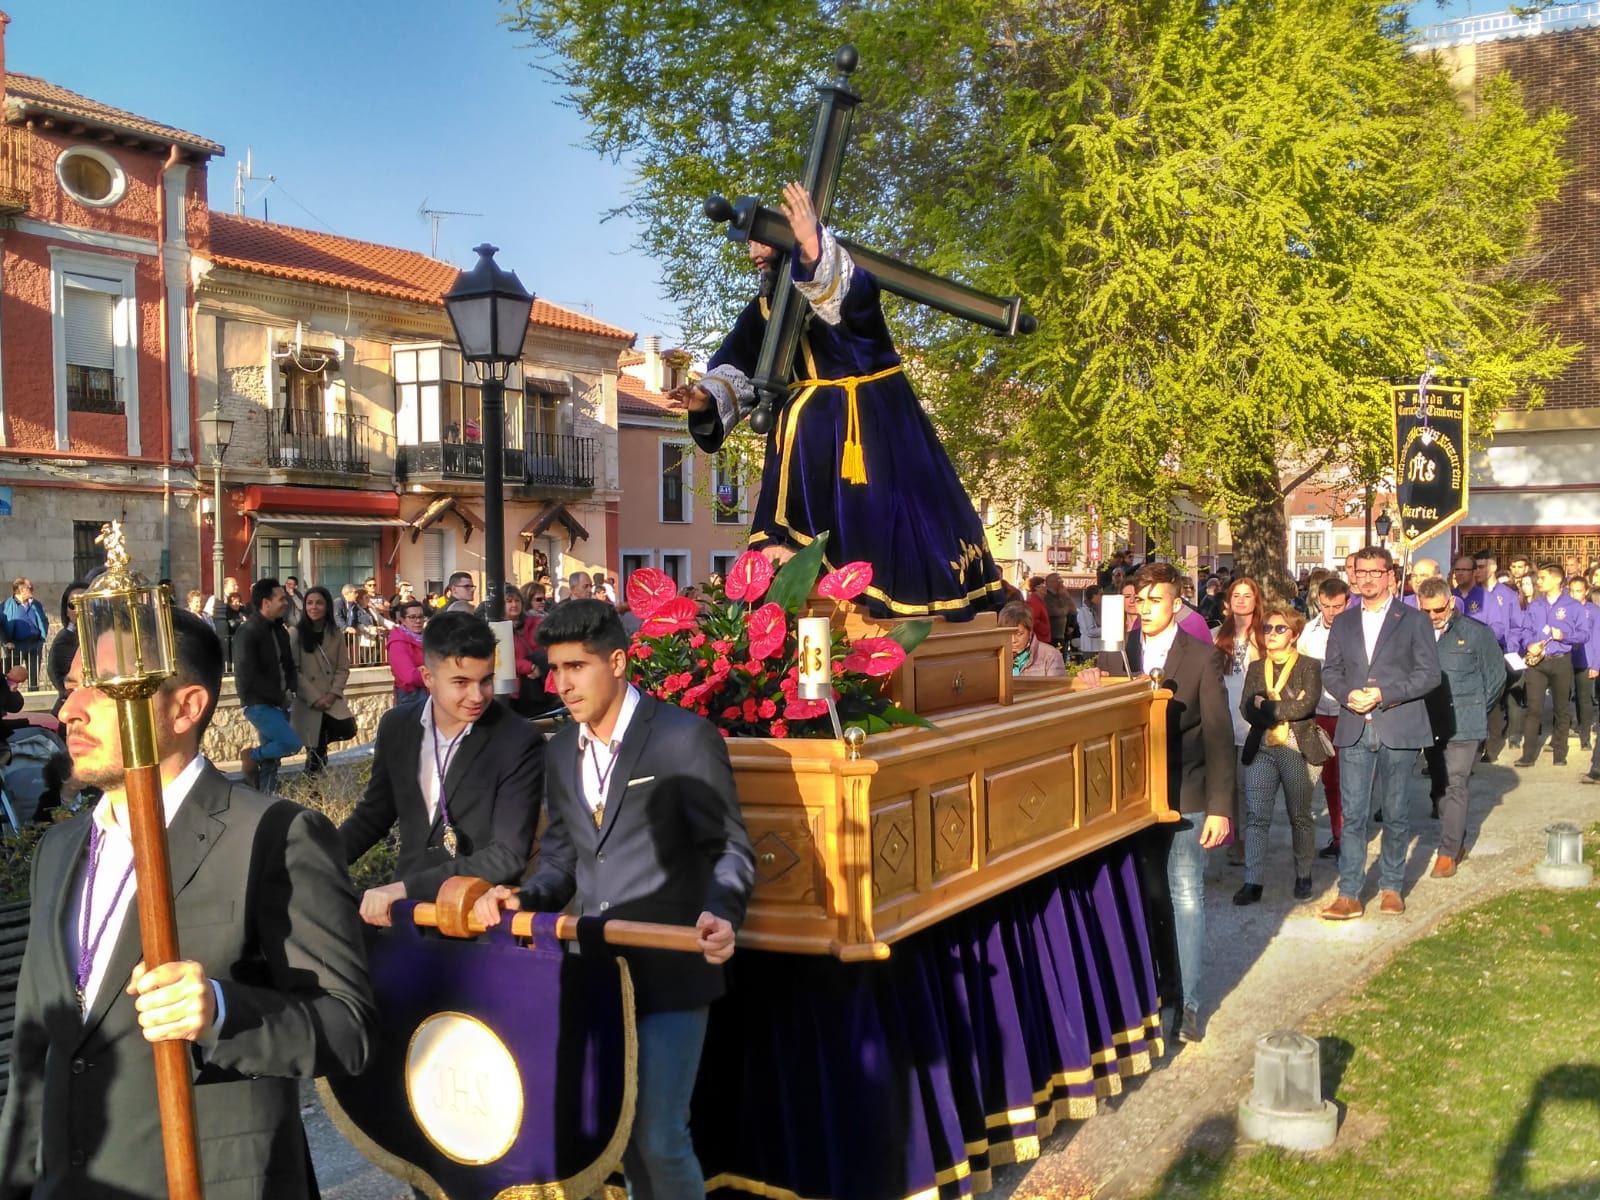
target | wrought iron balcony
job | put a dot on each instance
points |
(311, 439)
(439, 461)
(16, 170)
(560, 460)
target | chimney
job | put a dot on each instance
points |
(4, 21)
(653, 376)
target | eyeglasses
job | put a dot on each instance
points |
(1275, 629)
(1361, 574)
(471, 587)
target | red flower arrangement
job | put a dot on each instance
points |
(736, 663)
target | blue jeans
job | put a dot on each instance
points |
(1369, 773)
(278, 737)
(1186, 884)
(660, 1163)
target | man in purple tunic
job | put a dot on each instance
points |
(852, 454)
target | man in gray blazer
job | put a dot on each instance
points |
(273, 987)
(1380, 667)
(644, 825)
(461, 774)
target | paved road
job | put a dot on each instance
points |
(1269, 966)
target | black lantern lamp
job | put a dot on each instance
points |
(1382, 525)
(490, 309)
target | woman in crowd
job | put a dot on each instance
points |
(1240, 640)
(530, 697)
(1031, 656)
(405, 653)
(319, 713)
(1089, 615)
(1284, 748)
(66, 643)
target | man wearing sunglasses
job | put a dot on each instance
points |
(1381, 665)
(1474, 675)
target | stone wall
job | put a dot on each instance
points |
(370, 694)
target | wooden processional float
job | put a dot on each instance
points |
(910, 887)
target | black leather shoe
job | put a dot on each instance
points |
(1526, 762)
(1331, 850)
(1247, 894)
(1302, 888)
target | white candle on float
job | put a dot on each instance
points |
(505, 659)
(1111, 619)
(816, 658)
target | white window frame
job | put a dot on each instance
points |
(119, 177)
(113, 276)
(688, 564)
(687, 446)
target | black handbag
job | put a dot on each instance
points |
(337, 729)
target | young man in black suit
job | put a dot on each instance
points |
(1200, 770)
(461, 773)
(644, 825)
(273, 986)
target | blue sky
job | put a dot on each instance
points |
(363, 108)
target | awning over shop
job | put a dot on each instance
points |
(279, 498)
(553, 514)
(441, 507)
(301, 524)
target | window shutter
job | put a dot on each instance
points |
(87, 325)
(432, 554)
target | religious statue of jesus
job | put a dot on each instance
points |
(852, 453)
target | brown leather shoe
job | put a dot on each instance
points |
(249, 768)
(1390, 902)
(1443, 867)
(1345, 908)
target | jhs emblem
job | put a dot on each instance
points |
(1561, 614)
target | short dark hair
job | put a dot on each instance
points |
(1153, 573)
(457, 635)
(261, 590)
(1381, 553)
(288, 579)
(77, 585)
(1332, 588)
(458, 577)
(593, 622)
(1554, 568)
(199, 661)
(406, 606)
(1486, 556)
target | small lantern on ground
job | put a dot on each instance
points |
(1563, 864)
(1285, 1106)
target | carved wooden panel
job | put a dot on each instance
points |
(1098, 793)
(1030, 801)
(894, 859)
(1135, 767)
(788, 866)
(956, 681)
(952, 827)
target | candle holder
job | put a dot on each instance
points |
(1563, 865)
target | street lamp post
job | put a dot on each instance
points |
(490, 308)
(216, 431)
(1381, 526)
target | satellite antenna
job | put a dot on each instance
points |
(244, 173)
(434, 216)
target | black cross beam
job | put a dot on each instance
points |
(747, 219)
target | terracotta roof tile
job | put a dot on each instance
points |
(634, 397)
(307, 256)
(28, 95)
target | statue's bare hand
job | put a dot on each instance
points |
(689, 397)
(797, 206)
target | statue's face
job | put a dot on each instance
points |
(763, 255)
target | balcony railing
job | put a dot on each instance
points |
(16, 170)
(93, 390)
(311, 439)
(546, 460)
(560, 460)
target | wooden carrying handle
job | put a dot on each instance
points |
(451, 915)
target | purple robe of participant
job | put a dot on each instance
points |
(853, 454)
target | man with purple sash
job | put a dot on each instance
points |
(852, 453)
(1554, 625)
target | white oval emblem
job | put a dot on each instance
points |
(464, 1088)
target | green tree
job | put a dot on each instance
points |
(1232, 221)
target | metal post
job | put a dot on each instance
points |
(217, 552)
(494, 498)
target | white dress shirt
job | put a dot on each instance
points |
(116, 857)
(436, 754)
(1372, 625)
(1154, 654)
(597, 759)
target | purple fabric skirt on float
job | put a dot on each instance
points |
(881, 1081)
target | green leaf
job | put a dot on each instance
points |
(796, 578)
(908, 635)
(896, 715)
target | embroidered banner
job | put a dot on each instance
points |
(498, 1070)
(1430, 455)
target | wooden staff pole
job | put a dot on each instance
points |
(452, 916)
(158, 930)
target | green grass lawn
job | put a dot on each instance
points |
(1469, 1067)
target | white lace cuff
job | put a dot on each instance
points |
(829, 283)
